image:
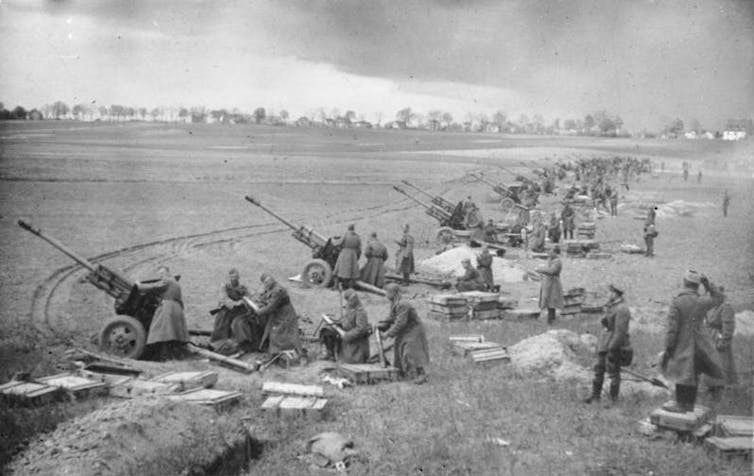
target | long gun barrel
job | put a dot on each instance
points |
(290, 225)
(76, 257)
(436, 199)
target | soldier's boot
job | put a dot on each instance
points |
(614, 391)
(596, 392)
(684, 400)
(550, 315)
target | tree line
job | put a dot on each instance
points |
(598, 123)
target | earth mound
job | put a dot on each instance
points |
(449, 263)
(140, 436)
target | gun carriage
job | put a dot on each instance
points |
(125, 334)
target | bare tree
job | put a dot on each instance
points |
(259, 115)
(434, 119)
(404, 115)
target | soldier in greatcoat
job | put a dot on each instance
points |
(347, 266)
(537, 239)
(689, 350)
(234, 318)
(551, 290)
(373, 271)
(404, 258)
(410, 351)
(353, 346)
(612, 341)
(471, 279)
(281, 328)
(568, 216)
(721, 323)
(168, 331)
(484, 266)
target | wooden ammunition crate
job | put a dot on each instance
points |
(368, 373)
(75, 385)
(734, 425)
(730, 446)
(489, 355)
(506, 303)
(519, 314)
(467, 338)
(286, 406)
(28, 393)
(189, 380)
(465, 348)
(217, 399)
(293, 389)
(136, 387)
(682, 422)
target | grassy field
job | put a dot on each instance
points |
(136, 195)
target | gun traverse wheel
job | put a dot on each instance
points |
(317, 273)
(123, 336)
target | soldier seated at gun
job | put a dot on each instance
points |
(347, 340)
(471, 280)
(237, 326)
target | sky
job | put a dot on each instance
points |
(648, 61)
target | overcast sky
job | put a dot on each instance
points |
(646, 60)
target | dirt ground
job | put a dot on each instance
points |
(133, 196)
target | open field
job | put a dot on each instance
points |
(133, 196)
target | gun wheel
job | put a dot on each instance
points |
(123, 336)
(507, 204)
(317, 273)
(445, 235)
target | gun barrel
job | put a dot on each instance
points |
(482, 179)
(401, 191)
(283, 220)
(417, 188)
(76, 257)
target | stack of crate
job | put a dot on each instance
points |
(448, 306)
(483, 305)
(572, 300)
(586, 230)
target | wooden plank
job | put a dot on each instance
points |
(445, 299)
(292, 389)
(683, 422)
(734, 425)
(730, 446)
(189, 380)
(235, 364)
(487, 356)
(506, 303)
(272, 404)
(467, 338)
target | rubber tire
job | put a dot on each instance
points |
(325, 275)
(132, 332)
(443, 232)
(507, 204)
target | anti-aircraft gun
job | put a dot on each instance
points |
(317, 272)
(124, 335)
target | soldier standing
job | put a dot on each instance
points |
(726, 202)
(168, 330)
(404, 259)
(373, 271)
(347, 266)
(551, 290)
(567, 216)
(721, 321)
(689, 351)
(613, 341)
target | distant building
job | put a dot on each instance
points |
(690, 135)
(363, 124)
(735, 134)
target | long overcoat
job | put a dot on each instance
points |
(410, 351)
(471, 281)
(168, 322)
(551, 290)
(404, 259)
(354, 348)
(484, 266)
(688, 346)
(282, 321)
(721, 322)
(373, 271)
(347, 265)
(615, 324)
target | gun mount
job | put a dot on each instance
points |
(126, 334)
(317, 272)
(434, 199)
(453, 219)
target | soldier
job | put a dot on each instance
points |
(373, 271)
(471, 280)
(484, 266)
(721, 321)
(699, 177)
(689, 351)
(553, 230)
(490, 231)
(612, 343)
(551, 290)
(614, 203)
(567, 216)
(651, 214)
(404, 259)
(537, 239)
(234, 320)
(167, 332)
(347, 266)
(650, 233)
(353, 346)
(410, 351)
(281, 328)
(726, 202)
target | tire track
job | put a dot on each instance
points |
(48, 293)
